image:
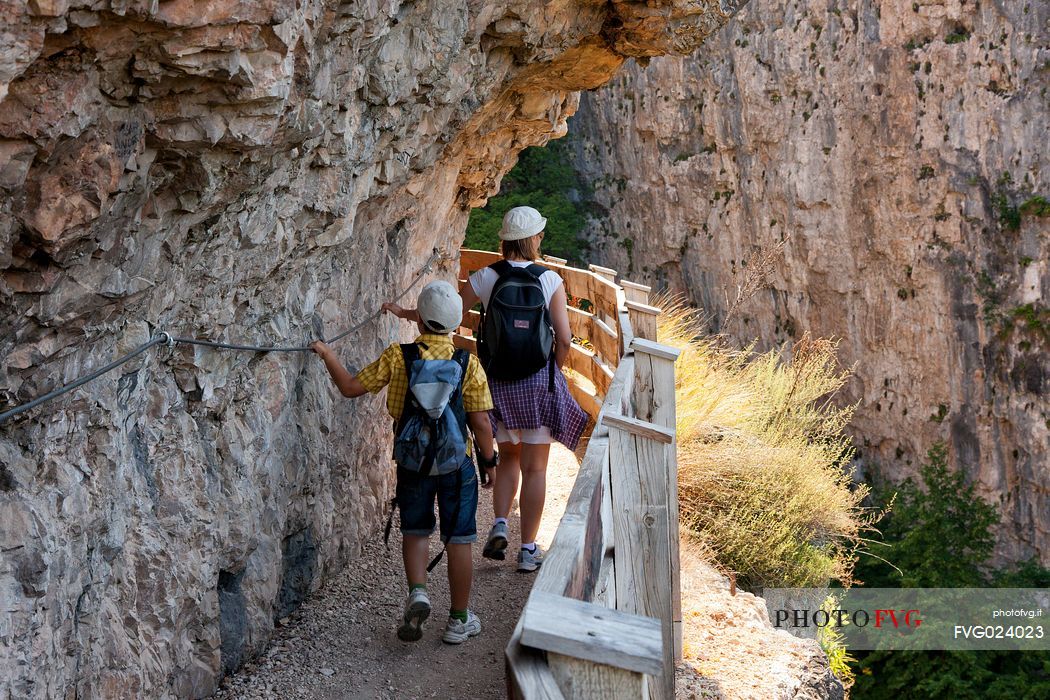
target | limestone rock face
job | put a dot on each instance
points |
(893, 146)
(242, 170)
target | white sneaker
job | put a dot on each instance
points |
(457, 632)
(417, 610)
(530, 561)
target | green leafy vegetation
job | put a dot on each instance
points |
(1036, 206)
(1033, 318)
(1009, 214)
(939, 534)
(544, 179)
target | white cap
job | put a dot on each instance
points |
(440, 307)
(521, 222)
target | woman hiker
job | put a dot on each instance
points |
(530, 411)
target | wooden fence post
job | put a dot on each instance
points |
(637, 293)
(606, 272)
(643, 320)
(653, 398)
(641, 522)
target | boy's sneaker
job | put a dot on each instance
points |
(417, 610)
(530, 560)
(497, 542)
(457, 631)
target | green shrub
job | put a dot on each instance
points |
(543, 179)
(940, 535)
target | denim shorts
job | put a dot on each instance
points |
(457, 499)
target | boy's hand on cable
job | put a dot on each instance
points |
(392, 308)
(320, 348)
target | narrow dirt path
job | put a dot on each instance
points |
(342, 644)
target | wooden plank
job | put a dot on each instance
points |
(667, 352)
(600, 335)
(471, 321)
(605, 592)
(581, 360)
(604, 296)
(603, 375)
(640, 428)
(471, 260)
(593, 633)
(462, 341)
(641, 523)
(624, 329)
(589, 477)
(578, 283)
(645, 308)
(606, 272)
(528, 675)
(654, 400)
(617, 399)
(605, 340)
(585, 680)
(577, 545)
(556, 261)
(579, 323)
(588, 401)
(565, 555)
(605, 589)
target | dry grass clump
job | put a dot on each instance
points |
(763, 461)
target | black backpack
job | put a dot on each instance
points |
(517, 337)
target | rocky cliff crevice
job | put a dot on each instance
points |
(242, 169)
(899, 148)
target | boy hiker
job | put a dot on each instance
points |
(435, 391)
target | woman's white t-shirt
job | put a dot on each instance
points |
(484, 280)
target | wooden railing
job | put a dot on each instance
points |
(603, 619)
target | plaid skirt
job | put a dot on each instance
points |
(526, 404)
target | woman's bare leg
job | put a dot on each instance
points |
(533, 460)
(507, 474)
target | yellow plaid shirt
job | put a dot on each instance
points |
(389, 370)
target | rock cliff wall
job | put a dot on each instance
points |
(896, 147)
(235, 169)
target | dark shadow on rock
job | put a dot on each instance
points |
(233, 620)
(298, 569)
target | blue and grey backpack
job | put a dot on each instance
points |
(431, 435)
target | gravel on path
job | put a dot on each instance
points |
(342, 644)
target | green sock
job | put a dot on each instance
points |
(460, 615)
(417, 586)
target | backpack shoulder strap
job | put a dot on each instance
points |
(409, 353)
(501, 267)
(462, 358)
(536, 270)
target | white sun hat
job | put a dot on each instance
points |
(521, 222)
(440, 307)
